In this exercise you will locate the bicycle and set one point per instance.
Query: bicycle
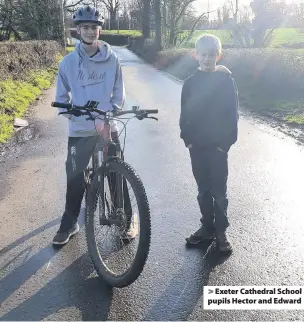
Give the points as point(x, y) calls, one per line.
point(115, 206)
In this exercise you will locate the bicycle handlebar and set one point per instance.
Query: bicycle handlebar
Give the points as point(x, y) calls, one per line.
point(91, 106)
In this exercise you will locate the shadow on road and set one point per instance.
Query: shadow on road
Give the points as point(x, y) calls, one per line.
point(186, 287)
point(33, 233)
point(73, 287)
point(29, 267)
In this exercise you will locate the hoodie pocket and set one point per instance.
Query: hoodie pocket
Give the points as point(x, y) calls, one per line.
point(81, 124)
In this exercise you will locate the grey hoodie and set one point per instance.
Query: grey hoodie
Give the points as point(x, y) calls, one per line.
point(82, 78)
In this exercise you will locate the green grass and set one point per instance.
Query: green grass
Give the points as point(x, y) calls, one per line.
point(17, 96)
point(122, 32)
point(280, 37)
point(291, 112)
point(295, 119)
point(287, 36)
point(222, 34)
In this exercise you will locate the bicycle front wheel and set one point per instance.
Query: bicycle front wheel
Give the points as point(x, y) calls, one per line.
point(118, 224)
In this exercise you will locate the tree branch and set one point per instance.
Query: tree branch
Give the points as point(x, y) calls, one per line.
point(183, 10)
point(198, 19)
point(111, 5)
point(267, 38)
point(73, 5)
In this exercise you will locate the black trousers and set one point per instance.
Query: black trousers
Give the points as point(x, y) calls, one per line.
point(80, 150)
point(210, 169)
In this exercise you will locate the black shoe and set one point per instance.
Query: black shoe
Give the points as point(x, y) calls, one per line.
point(223, 243)
point(200, 236)
point(62, 237)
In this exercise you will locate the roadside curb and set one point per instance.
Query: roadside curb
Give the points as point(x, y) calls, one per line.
point(175, 79)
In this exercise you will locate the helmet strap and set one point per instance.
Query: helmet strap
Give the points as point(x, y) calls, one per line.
point(87, 43)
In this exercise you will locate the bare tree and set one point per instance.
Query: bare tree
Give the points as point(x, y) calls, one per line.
point(201, 17)
point(146, 19)
point(135, 8)
point(112, 6)
point(7, 18)
point(176, 11)
point(219, 16)
point(268, 15)
point(225, 13)
point(124, 19)
point(234, 6)
point(296, 13)
point(72, 4)
point(36, 18)
point(158, 24)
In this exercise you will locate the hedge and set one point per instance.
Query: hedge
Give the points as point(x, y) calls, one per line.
point(18, 58)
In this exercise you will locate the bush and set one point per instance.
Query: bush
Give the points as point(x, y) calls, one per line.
point(180, 63)
point(144, 48)
point(115, 40)
point(269, 81)
point(18, 58)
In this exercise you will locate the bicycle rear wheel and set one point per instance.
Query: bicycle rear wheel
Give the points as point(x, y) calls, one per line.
point(117, 258)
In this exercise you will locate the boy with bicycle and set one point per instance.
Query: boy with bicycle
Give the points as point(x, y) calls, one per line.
point(91, 72)
point(209, 127)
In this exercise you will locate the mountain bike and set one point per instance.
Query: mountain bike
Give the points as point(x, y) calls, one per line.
point(108, 204)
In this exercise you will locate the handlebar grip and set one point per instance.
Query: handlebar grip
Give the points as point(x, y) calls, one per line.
point(61, 105)
point(152, 111)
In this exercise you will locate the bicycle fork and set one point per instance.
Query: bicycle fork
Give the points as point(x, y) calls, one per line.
point(116, 202)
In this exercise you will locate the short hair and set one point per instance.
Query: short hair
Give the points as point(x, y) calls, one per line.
point(209, 41)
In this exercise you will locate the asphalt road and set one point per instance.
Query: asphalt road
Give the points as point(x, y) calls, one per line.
point(265, 211)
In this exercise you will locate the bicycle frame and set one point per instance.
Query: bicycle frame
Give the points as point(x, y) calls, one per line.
point(99, 159)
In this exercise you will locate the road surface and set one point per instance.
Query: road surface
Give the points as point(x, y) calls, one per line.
point(265, 210)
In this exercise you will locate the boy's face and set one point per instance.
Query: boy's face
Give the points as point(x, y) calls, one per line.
point(207, 58)
point(89, 31)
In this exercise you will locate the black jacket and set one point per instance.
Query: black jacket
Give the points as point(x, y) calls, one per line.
point(209, 109)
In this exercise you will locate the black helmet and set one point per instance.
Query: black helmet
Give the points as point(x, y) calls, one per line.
point(88, 14)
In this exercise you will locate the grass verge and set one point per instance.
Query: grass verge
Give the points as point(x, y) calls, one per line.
point(17, 95)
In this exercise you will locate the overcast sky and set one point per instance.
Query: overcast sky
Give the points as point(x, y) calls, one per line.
point(202, 5)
